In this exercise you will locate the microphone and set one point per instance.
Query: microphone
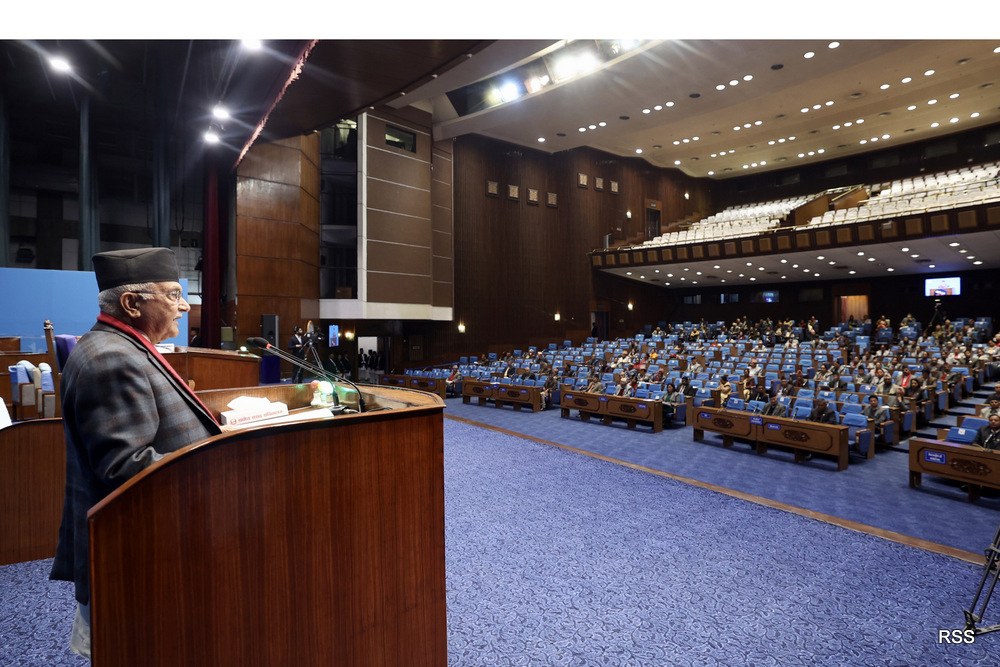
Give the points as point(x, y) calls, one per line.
point(263, 344)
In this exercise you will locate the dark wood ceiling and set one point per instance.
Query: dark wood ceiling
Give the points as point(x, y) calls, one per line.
point(341, 78)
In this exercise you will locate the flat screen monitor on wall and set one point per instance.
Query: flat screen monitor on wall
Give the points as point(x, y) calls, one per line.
point(942, 286)
point(334, 340)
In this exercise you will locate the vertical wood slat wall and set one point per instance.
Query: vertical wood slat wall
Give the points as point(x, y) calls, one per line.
point(277, 236)
point(517, 263)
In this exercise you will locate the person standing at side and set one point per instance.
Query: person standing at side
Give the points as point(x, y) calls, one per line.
point(124, 407)
point(296, 345)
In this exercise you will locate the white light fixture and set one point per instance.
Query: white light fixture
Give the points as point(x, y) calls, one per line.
point(60, 64)
point(220, 112)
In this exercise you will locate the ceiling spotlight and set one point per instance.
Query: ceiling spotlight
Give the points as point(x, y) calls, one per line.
point(808, 54)
point(541, 140)
point(60, 64)
point(220, 112)
point(252, 44)
point(211, 137)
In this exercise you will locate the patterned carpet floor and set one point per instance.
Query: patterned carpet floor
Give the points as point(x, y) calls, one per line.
point(874, 492)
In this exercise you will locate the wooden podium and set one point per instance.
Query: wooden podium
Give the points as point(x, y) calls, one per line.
point(309, 543)
point(32, 487)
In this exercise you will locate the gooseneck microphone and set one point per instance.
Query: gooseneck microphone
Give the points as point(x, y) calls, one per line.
point(263, 344)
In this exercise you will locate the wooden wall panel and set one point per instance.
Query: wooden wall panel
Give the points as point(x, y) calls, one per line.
point(516, 264)
point(443, 224)
point(386, 196)
point(396, 288)
point(392, 166)
point(277, 236)
point(398, 258)
point(268, 200)
point(389, 226)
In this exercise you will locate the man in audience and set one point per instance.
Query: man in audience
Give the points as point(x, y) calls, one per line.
point(877, 413)
point(124, 407)
point(988, 436)
point(836, 384)
point(774, 408)
point(822, 413)
point(991, 408)
point(783, 388)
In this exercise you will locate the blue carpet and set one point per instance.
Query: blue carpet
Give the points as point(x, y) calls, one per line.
point(872, 492)
point(559, 559)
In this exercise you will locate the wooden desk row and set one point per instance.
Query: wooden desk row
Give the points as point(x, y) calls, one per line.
point(801, 436)
point(433, 385)
point(974, 466)
point(632, 410)
point(516, 395)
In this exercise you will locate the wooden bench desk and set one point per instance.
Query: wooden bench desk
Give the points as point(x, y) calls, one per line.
point(433, 385)
point(975, 466)
point(632, 410)
point(800, 436)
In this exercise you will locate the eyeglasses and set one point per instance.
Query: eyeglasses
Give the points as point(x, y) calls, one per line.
point(174, 296)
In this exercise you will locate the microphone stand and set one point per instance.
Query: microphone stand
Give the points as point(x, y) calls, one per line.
point(992, 565)
point(333, 378)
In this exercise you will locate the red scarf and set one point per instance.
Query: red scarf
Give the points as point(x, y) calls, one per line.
point(134, 333)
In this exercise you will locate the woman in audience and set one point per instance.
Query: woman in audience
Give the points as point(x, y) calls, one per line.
point(725, 389)
point(754, 391)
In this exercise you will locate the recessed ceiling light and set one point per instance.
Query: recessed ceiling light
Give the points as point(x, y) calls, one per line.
point(833, 45)
point(808, 54)
point(541, 140)
point(906, 79)
point(954, 244)
point(852, 272)
point(977, 262)
point(929, 72)
point(871, 259)
point(890, 269)
point(931, 266)
point(905, 249)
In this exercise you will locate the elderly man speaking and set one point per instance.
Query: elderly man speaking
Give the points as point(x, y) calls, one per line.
point(124, 407)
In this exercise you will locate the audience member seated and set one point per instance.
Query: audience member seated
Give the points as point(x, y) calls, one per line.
point(991, 408)
point(822, 413)
point(988, 436)
point(774, 408)
point(879, 414)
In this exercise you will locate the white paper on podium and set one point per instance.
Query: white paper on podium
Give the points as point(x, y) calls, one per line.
point(252, 410)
